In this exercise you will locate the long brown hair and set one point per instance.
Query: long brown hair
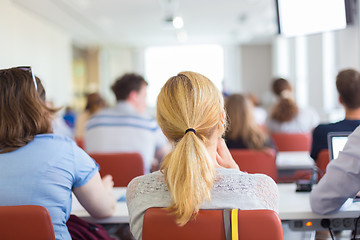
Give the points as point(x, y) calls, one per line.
point(242, 124)
point(23, 112)
point(286, 109)
point(189, 100)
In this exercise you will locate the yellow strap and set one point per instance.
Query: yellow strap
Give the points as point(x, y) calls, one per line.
point(234, 224)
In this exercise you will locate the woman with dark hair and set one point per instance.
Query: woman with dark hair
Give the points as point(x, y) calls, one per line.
point(286, 116)
point(243, 132)
point(39, 167)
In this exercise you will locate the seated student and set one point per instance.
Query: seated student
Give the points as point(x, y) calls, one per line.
point(341, 180)
point(243, 131)
point(348, 86)
point(286, 116)
point(126, 127)
point(199, 172)
point(39, 167)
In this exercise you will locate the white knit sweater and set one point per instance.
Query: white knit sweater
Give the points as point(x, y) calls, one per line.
point(232, 189)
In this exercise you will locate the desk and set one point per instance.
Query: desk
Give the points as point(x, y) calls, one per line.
point(121, 214)
point(293, 165)
point(294, 209)
point(294, 161)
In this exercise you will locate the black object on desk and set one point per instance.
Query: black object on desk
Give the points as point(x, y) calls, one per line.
point(304, 185)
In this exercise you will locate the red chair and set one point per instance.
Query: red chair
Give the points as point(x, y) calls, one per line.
point(322, 161)
point(253, 161)
point(292, 141)
point(80, 142)
point(159, 224)
point(122, 166)
point(25, 222)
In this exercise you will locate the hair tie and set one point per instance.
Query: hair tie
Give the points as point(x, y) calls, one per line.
point(190, 130)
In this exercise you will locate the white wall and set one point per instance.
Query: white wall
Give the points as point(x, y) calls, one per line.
point(312, 62)
point(256, 69)
point(114, 62)
point(26, 39)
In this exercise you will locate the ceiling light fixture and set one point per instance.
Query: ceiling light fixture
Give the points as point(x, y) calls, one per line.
point(178, 22)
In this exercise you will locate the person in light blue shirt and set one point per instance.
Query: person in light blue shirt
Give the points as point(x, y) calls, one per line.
point(39, 167)
point(341, 180)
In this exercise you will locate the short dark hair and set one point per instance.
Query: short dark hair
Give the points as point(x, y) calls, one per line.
point(127, 83)
point(348, 86)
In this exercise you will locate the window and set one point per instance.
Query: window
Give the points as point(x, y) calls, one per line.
point(161, 63)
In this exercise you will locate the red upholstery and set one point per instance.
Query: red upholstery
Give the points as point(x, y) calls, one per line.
point(25, 222)
point(260, 224)
point(160, 225)
point(122, 166)
point(292, 141)
point(253, 161)
point(209, 225)
point(80, 142)
point(323, 160)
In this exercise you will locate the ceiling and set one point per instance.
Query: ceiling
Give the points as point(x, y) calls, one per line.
point(142, 22)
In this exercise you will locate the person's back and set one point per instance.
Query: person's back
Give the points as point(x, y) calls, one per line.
point(32, 175)
point(39, 167)
point(341, 180)
point(243, 132)
point(286, 116)
point(199, 172)
point(348, 86)
point(124, 128)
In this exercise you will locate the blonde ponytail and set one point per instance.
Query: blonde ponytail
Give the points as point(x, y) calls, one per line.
point(189, 100)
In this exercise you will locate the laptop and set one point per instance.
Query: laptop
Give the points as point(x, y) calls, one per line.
point(336, 143)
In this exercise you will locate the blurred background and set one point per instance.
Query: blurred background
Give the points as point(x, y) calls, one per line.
point(80, 46)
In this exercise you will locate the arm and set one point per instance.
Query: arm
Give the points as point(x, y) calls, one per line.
point(223, 155)
point(341, 181)
point(96, 196)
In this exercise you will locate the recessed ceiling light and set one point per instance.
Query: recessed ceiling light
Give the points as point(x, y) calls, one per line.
point(178, 22)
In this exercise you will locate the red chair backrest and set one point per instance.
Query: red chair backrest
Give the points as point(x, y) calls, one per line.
point(323, 160)
point(80, 142)
point(253, 161)
point(260, 224)
point(25, 222)
point(122, 166)
point(292, 141)
point(159, 224)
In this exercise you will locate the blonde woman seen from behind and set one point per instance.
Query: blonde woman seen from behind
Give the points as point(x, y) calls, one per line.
point(199, 172)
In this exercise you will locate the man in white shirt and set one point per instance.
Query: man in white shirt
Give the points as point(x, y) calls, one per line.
point(341, 181)
point(125, 127)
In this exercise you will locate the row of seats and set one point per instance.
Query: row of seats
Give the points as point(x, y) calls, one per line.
point(126, 166)
point(34, 222)
point(283, 141)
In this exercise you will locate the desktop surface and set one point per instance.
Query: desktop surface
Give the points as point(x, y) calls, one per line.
point(294, 209)
point(294, 160)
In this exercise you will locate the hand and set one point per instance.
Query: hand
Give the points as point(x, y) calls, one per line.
point(108, 183)
point(223, 155)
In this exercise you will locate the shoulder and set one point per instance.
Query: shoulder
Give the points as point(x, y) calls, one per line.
point(145, 185)
point(329, 127)
point(236, 177)
point(52, 138)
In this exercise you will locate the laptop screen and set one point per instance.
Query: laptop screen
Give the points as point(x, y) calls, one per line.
point(336, 143)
